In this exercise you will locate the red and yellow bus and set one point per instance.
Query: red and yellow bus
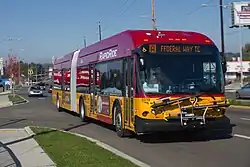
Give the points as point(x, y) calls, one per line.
point(144, 81)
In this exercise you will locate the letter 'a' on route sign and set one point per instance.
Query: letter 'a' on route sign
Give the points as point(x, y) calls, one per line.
point(152, 48)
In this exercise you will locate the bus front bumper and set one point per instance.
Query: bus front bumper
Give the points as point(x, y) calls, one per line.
point(149, 125)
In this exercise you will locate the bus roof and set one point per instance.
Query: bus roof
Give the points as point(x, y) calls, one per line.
point(123, 43)
point(63, 61)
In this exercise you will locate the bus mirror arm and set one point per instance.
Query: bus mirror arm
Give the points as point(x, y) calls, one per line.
point(223, 62)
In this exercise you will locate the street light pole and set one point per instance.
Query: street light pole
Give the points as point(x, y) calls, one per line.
point(153, 15)
point(241, 58)
point(36, 73)
point(28, 74)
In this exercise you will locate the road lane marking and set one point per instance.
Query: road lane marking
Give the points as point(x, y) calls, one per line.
point(242, 136)
point(245, 119)
point(41, 98)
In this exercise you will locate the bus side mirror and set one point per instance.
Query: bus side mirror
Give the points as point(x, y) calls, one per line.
point(223, 63)
point(142, 65)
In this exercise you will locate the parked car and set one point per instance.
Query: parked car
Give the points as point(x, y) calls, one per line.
point(50, 89)
point(42, 86)
point(35, 91)
point(243, 92)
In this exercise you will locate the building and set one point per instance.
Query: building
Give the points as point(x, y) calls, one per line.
point(233, 69)
point(50, 72)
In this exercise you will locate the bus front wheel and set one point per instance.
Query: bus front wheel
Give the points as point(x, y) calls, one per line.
point(118, 121)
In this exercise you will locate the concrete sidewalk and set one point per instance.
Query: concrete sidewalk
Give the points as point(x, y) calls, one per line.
point(18, 149)
point(4, 99)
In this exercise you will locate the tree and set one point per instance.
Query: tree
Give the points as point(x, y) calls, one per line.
point(12, 68)
point(24, 68)
point(246, 52)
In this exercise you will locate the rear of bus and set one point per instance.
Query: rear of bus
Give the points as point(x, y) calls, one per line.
point(180, 86)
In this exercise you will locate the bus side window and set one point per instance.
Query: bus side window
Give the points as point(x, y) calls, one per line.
point(110, 77)
point(62, 80)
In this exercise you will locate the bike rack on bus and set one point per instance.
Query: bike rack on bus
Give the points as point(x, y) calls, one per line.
point(184, 115)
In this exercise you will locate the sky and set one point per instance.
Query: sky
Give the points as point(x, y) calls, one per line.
point(41, 29)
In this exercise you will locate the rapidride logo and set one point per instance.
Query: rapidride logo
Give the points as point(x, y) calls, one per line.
point(107, 55)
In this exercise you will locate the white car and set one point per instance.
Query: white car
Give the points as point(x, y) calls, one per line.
point(35, 91)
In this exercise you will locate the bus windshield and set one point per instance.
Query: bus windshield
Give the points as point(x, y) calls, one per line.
point(171, 73)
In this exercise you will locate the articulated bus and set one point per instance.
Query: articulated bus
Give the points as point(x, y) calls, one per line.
point(144, 81)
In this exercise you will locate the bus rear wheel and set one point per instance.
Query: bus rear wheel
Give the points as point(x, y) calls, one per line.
point(82, 111)
point(58, 104)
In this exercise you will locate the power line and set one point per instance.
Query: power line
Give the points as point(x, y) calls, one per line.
point(198, 8)
point(123, 4)
point(99, 22)
point(231, 33)
point(123, 12)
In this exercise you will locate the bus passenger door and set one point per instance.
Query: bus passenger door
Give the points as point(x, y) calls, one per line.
point(128, 81)
point(92, 89)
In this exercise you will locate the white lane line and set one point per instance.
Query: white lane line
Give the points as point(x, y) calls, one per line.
point(242, 136)
point(245, 119)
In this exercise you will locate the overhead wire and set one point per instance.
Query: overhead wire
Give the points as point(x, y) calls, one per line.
point(123, 4)
point(122, 12)
point(198, 8)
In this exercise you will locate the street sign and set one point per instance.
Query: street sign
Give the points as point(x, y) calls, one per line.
point(240, 13)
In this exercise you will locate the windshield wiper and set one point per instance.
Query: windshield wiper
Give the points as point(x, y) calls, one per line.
point(205, 89)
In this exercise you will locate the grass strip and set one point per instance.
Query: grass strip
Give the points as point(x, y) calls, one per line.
point(239, 103)
point(67, 150)
point(15, 99)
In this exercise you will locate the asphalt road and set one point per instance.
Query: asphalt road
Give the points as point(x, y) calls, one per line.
point(206, 150)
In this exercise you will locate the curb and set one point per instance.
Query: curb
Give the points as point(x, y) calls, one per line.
point(6, 105)
point(25, 101)
point(29, 136)
point(20, 102)
point(5, 93)
point(239, 107)
point(97, 142)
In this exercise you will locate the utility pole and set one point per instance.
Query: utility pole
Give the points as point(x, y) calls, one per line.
point(19, 71)
point(85, 42)
point(36, 73)
point(28, 74)
point(100, 30)
point(153, 15)
point(222, 29)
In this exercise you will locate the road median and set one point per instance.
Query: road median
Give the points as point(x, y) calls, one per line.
point(73, 147)
point(17, 99)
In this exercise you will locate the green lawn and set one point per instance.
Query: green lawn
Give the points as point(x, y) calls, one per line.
point(68, 150)
point(239, 103)
point(15, 98)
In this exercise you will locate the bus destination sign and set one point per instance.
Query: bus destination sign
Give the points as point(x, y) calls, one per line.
point(171, 48)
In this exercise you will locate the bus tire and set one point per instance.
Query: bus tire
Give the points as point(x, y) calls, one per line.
point(58, 104)
point(118, 121)
point(82, 111)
